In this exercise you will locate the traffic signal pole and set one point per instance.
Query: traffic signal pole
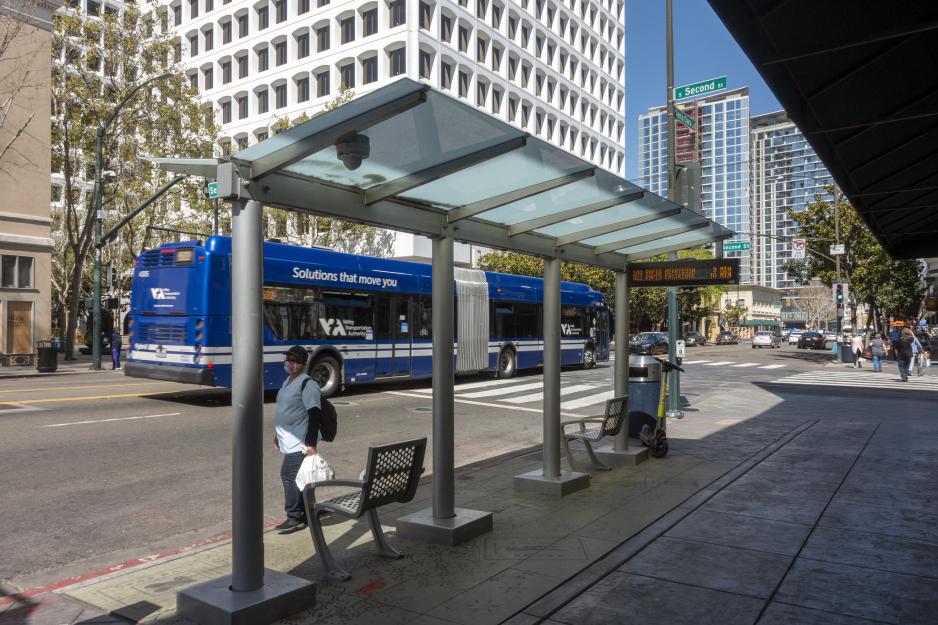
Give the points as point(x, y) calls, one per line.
point(840, 305)
point(674, 322)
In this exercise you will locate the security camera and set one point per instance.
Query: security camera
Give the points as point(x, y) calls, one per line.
point(352, 149)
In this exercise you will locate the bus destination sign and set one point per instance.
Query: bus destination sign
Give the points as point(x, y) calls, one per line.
point(685, 273)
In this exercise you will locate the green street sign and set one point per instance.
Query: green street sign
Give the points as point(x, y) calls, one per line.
point(684, 118)
point(737, 246)
point(212, 190)
point(700, 88)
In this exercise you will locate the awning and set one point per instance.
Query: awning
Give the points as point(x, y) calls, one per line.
point(761, 323)
point(859, 80)
point(420, 161)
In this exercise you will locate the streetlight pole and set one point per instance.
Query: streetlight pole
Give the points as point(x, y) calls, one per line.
point(674, 322)
point(99, 218)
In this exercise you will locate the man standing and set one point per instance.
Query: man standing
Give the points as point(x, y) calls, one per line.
point(116, 349)
point(903, 348)
point(299, 404)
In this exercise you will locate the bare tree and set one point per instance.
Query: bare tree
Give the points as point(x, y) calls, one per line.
point(16, 80)
point(816, 303)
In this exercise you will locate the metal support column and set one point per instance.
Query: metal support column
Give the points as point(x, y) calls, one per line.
point(551, 368)
point(443, 406)
point(621, 371)
point(674, 384)
point(96, 272)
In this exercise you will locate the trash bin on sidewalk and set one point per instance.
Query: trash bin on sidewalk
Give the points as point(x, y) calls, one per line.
point(846, 350)
point(46, 358)
point(644, 392)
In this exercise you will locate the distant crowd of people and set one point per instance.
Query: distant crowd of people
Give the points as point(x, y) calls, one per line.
point(911, 345)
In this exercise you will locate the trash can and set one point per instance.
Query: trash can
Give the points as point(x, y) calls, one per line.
point(46, 358)
point(644, 392)
point(846, 350)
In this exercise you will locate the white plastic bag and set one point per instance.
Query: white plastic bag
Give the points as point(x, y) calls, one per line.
point(314, 469)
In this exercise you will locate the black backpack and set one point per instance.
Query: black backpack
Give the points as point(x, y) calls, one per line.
point(328, 419)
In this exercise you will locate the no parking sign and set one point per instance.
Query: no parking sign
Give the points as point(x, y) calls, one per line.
point(798, 247)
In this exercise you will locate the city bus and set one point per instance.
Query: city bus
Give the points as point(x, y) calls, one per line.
point(362, 319)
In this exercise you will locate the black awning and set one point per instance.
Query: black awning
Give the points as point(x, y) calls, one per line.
point(860, 79)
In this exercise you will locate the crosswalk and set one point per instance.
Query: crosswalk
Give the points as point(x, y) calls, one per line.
point(732, 363)
point(862, 379)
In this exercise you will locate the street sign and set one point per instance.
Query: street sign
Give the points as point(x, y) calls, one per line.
point(212, 190)
point(684, 118)
point(700, 88)
point(685, 273)
point(737, 246)
point(837, 249)
point(798, 247)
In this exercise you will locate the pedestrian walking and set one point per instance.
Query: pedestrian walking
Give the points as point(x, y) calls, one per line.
point(917, 350)
point(299, 407)
point(903, 348)
point(116, 349)
point(878, 351)
point(856, 344)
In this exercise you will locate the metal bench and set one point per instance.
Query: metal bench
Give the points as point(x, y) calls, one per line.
point(611, 422)
point(391, 476)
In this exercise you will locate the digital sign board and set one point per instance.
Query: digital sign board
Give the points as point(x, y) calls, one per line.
point(712, 272)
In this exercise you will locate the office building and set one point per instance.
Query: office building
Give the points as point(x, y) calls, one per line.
point(719, 141)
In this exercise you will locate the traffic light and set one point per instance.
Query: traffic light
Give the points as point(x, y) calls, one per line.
point(840, 294)
point(112, 275)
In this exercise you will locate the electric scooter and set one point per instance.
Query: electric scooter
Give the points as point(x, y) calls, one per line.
point(657, 440)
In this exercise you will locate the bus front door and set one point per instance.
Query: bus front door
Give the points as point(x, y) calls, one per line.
point(393, 336)
point(602, 335)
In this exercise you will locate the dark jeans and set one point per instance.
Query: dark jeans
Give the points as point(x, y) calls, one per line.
point(116, 358)
point(293, 499)
point(904, 366)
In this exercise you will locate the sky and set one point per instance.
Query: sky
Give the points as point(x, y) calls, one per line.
point(703, 49)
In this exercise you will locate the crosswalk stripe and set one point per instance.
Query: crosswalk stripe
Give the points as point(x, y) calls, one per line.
point(695, 362)
point(772, 366)
point(566, 390)
point(859, 380)
point(485, 383)
point(718, 363)
point(746, 364)
point(503, 391)
point(573, 404)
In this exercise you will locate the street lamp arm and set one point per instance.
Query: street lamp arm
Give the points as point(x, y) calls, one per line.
point(110, 118)
point(112, 233)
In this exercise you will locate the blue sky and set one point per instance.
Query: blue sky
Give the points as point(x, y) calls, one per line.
point(702, 49)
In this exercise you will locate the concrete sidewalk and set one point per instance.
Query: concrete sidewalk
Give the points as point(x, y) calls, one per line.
point(773, 506)
point(81, 364)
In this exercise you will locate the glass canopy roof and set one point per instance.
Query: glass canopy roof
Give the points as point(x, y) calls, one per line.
point(405, 152)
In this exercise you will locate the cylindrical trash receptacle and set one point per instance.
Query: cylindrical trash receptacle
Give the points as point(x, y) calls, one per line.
point(846, 350)
point(46, 358)
point(644, 392)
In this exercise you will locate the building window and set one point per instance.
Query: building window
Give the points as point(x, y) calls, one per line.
point(193, 48)
point(322, 84)
point(280, 53)
point(426, 15)
point(425, 64)
point(17, 272)
point(369, 70)
point(322, 39)
point(446, 28)
point(398, 13)
point(262, 102)
point(463, 84)
point(226, 32)
point(302, 90)
point(242, 143)
point(302, 46)
point(496, 97)
point(242, 106)
point(480, 8)
point(321, 3)
point(193, 82)
point(209, 5)
point(263, 60)
point(347, 29)
point(280, 96)
point(226, 112)
point(281, 10)
point(481, 92)
point(209, 77)
point(263, 17)
point(243, 25)
point(370, 22)
point(481, 49)
point(209, 39)
point(347, 75)
point(398, 61)
point(302, 6)
point(177, 15)
point(193, 9)
point(243, 66)
point(496, 15)
point(463, 39)
point(446, 75)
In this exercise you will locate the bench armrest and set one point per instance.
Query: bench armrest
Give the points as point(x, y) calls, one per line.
point(351, 483)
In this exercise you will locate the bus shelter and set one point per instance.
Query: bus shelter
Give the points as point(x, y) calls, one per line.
point(410, 158)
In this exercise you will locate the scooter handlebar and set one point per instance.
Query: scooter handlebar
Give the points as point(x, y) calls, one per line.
point(668, 365)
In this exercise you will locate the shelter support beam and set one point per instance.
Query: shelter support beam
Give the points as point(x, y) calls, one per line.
point(250, 594)
point(579, 211)
point(443, 523)
point(598, 231)
point(550, 479)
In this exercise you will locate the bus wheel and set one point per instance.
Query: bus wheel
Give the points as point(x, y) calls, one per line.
point(507, 364)
point(326, 373)
point(589, 357)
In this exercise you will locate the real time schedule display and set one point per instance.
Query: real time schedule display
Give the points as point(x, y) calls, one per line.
point(685, 273)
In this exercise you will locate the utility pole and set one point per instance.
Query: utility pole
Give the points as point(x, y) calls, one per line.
point(674, 322)
point(840, 310)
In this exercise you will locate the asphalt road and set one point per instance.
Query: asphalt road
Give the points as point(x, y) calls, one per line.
point(100, 468)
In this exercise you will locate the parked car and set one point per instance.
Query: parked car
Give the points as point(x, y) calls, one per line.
point(766, 338)
point(727, 338)
point(650, 343)
point(794, 335)
point(811, 340)
point(694, 338)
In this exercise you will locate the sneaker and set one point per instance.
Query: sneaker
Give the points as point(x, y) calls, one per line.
point(291, 525)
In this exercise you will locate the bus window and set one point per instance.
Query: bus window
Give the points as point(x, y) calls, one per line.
point(504, 326)
point(347, 315)
point(423, 318)
point(293, 313)
point(574, 321)
point(526, 321)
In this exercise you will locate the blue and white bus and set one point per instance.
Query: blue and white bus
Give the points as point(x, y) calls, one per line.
point(362, 319)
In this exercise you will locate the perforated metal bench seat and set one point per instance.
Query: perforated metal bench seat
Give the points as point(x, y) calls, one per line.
point(610, 424)
point(391, 476)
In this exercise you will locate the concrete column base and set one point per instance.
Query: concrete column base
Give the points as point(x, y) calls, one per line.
point(635, 454)
point(535, 482)
point(214, 603)
point(466, 525)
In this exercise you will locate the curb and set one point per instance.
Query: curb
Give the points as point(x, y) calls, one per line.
point(20, 376)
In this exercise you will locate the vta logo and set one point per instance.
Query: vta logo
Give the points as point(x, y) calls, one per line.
point(567, 329)
point(333, 327)
point(160, 293)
